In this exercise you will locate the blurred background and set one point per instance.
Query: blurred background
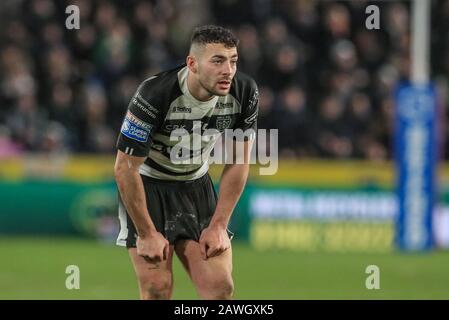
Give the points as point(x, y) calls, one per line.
point(326, 82)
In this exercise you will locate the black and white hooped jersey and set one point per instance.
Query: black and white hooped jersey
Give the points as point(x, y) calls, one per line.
point(163, 104)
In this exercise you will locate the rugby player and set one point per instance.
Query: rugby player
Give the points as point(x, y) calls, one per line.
point(167, 207)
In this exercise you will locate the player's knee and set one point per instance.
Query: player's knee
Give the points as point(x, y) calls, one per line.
point(226, 290)
point(221, 289)
point(156, 288)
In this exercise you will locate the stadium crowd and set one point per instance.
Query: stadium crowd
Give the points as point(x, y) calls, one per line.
point(326, 81)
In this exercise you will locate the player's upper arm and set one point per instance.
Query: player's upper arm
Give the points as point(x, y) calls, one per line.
point(239, 149)
point(142, 118)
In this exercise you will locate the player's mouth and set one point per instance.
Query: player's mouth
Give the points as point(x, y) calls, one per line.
point(224, 84)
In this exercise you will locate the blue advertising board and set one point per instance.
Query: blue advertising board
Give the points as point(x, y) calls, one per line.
point(415, 153)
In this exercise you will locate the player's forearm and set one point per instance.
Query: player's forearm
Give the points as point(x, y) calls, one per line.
point(232, 182)
point(132, 192)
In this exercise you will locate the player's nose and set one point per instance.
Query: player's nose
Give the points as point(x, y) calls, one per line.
point(227, 68)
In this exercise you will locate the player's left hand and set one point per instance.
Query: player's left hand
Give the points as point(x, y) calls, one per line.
point(214, 240)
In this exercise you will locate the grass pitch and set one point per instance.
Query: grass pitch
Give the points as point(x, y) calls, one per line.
point(34, 268)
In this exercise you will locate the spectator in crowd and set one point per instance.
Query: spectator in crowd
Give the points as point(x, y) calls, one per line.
point(326, 82)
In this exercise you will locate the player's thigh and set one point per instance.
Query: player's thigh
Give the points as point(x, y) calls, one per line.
point(208, 272)
point(156, 273)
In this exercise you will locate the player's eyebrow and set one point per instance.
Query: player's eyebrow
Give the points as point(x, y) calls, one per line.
point(220, 56)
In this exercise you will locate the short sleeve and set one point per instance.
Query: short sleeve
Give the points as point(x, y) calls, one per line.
point(248, 118)
point(141, 120)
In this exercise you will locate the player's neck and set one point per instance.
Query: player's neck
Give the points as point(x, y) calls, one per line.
point(196, 89)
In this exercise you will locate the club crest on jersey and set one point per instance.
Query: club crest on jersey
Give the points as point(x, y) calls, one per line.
point(135, 128)
point(223, 122)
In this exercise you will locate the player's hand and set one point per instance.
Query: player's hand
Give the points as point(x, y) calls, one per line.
point(153, 248)
point(214, 240)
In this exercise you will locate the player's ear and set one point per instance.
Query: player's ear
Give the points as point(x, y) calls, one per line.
point(192, 64)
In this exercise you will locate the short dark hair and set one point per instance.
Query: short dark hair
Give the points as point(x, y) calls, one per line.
point(214, 34)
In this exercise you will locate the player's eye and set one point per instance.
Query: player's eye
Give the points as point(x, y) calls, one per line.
point(216, 61)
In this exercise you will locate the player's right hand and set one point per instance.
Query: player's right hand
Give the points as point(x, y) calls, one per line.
point(153, 248)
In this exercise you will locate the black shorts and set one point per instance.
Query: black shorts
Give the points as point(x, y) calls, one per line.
point(178, 209)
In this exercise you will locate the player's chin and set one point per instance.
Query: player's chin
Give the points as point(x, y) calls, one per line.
point(222, 91)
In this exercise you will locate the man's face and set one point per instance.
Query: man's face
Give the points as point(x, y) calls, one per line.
point(216, 68)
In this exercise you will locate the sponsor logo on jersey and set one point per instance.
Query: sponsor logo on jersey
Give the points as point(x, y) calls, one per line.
point(222, 105)
point(170, 127)
point(137, 102)
point(223, 122)
point(135, 129)
point(181, 109)
point(146, 103)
